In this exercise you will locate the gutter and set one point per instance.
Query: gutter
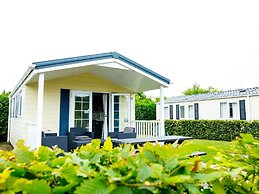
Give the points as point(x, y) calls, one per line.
point(22, 80)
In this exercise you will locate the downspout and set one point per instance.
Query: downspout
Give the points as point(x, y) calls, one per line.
point(248, 108)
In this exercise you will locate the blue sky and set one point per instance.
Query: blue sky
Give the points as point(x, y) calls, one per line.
point(212, 43)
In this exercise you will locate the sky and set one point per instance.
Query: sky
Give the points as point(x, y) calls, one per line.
point(211, 43)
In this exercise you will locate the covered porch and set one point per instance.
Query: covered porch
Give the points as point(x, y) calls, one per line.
point(95, 92)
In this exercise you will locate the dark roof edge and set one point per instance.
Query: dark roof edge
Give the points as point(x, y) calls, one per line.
point(115, 55)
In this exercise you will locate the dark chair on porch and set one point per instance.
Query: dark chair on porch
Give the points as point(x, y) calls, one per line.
point(51, 139)
point(78, 136)
point(128, 132)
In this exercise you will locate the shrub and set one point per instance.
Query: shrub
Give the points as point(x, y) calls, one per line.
point(145, 108)
point(211, 129)
point(4, 109)
point(155, 169)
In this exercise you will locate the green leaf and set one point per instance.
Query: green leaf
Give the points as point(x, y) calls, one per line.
point(209, 177)
point(58, 162)
point(156, 170)
point(63, 189)
point(39, 168)
point(107, 146)
point(193, 188)
point(69, 172)
point(23, 155)
point(92, 186)
point(32, 186)
point(218, 188)
point(122, 190)
point(143, 173)
point(44, 153)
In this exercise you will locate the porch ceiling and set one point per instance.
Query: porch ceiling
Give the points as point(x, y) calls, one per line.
point(112, 71)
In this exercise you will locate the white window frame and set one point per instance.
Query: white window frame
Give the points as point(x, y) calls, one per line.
point(167, 113)
point(188, 107)
point(228, 102)
point(112, 110)
point(180, 112)
point(72, 107)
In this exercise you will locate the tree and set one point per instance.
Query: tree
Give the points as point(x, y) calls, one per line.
point(145, 107)
point(196, 89)
point(4, 109)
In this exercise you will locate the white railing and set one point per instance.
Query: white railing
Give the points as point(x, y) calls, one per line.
point(147, 128)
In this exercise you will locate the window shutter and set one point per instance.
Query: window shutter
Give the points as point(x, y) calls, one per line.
point(171, 111)
point(177, 112)
point(64, 112)
point(196, 111)
point(242, 107)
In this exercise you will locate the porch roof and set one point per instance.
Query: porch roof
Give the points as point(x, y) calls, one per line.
point(111, 66)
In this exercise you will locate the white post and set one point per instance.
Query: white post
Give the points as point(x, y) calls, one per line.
point(9, 120)
point(40, 109)
point(162, 112)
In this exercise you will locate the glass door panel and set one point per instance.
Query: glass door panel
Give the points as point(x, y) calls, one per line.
point(81, 110)
point(120, 111)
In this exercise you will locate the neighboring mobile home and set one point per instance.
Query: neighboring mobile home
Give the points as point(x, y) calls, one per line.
point(240, 104)
point(96, 92)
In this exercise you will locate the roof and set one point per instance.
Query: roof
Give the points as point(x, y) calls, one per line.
point(217, 95)
point(40, 66)
point(95, 57)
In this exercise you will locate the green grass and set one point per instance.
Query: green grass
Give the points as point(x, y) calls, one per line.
point(5, 146)
point(207, 146)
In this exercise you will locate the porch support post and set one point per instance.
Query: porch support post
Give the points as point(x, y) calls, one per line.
point(162, 112)
point(9, 119)
point(40, 109)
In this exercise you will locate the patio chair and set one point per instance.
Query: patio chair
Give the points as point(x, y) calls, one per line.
point(79, 136)
point(128, 132)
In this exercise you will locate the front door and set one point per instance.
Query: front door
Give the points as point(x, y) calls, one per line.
point(81, 110)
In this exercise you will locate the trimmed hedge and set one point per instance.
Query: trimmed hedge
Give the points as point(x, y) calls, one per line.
point(211, 129)
point(4, 109)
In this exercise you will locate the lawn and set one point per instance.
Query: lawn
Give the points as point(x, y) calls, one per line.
point(5, 146)
point(207, 146)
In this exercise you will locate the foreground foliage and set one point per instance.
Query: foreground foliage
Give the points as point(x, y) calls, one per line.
point(155, 169)
point(223, 130)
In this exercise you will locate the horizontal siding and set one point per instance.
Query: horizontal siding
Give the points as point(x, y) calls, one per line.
point(254, 107)
point(83, 82)
point(210, 109)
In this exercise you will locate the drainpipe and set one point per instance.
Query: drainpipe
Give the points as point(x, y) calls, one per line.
point(248, 111)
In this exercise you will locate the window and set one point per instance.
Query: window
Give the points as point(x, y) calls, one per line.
point(233, 110)
point(190, 112)
point(228, 110)
point(16, 105)
point(166, 112)
point(223, 110)
point(182, 112)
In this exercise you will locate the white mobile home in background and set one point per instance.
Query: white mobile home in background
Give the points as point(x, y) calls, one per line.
point(240, 104)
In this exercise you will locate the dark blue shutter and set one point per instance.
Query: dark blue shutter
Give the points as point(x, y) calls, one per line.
point(242, 107)
point(171, 111)
point(196, 111)
point(64, 112)
point(177, 112)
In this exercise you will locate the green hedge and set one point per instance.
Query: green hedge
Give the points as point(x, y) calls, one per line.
point(4, 108)
point(211, 129)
